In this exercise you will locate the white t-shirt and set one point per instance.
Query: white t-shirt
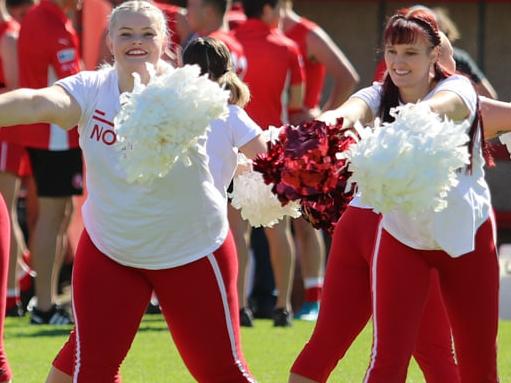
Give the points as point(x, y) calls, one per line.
point(454, 228)
point(224, 139)
point(176, 220)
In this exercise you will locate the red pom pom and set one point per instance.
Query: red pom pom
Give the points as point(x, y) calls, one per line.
point(303, 165)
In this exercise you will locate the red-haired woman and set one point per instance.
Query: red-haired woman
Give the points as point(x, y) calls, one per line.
point(457, 243)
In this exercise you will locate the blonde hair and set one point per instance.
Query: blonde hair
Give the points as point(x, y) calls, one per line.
point(140, 6)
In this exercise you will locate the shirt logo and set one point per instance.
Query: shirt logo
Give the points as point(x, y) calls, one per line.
point(66, 55)
point(103, 132)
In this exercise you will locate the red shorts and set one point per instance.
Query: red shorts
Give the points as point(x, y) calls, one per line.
point(14, 159)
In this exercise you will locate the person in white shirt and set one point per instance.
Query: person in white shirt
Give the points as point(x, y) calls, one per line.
point(171, 236)
point(239, 132)
point(458, 243)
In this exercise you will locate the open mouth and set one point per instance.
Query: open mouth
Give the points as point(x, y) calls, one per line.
point(136, 53)
point(401, 72)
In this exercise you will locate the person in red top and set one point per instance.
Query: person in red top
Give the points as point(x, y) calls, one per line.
point(54, 154)
point(208, 18)
point(267, 48)
point(321, 57)
point(275, 69)
point(13, 157)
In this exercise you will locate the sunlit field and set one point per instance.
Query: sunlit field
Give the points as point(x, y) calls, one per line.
point(153, 358)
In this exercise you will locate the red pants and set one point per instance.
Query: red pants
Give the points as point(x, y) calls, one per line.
point(198, 300)
point(469, 284)
point(346, 307)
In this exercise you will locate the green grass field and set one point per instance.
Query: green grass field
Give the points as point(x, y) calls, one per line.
point(153, 358)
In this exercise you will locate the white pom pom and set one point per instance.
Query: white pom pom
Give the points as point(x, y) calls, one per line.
point(257, 203)
point(160, 122)
point(410, 164)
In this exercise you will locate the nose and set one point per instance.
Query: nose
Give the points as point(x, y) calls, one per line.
point(397, 60)
point(136, 40)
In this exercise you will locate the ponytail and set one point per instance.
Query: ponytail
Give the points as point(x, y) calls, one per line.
point(240, 95)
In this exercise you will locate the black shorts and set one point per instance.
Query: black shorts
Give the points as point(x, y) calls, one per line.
point(57, 173)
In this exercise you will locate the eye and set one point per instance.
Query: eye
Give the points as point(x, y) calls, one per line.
point(125, 34)
point(390, 51)
point(149, 34)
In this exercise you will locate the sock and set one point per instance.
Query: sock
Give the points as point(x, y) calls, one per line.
point(313, 288)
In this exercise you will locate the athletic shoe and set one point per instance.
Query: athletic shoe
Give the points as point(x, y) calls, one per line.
point(281, 318)
point(55, 316)
point(309, 311)
point(246, 317)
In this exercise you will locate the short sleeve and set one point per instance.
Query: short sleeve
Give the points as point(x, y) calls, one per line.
point(371, 96)
point(81, 87)
point(65, 58)
point(243, 128)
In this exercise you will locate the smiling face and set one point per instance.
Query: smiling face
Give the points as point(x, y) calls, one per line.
point(135, 38)
point(409, 64)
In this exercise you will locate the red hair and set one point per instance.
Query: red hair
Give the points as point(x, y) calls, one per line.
point(405, 27)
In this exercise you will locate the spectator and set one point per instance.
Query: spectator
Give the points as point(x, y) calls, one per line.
point(266, 47)
point(14, 162)
point(54, 154)
point(321, 57)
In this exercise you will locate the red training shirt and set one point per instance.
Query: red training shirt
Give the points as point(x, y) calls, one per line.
point(274, 61)
point(48, 50)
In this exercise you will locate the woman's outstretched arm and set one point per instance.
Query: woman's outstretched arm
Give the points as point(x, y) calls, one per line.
point(28, 106)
